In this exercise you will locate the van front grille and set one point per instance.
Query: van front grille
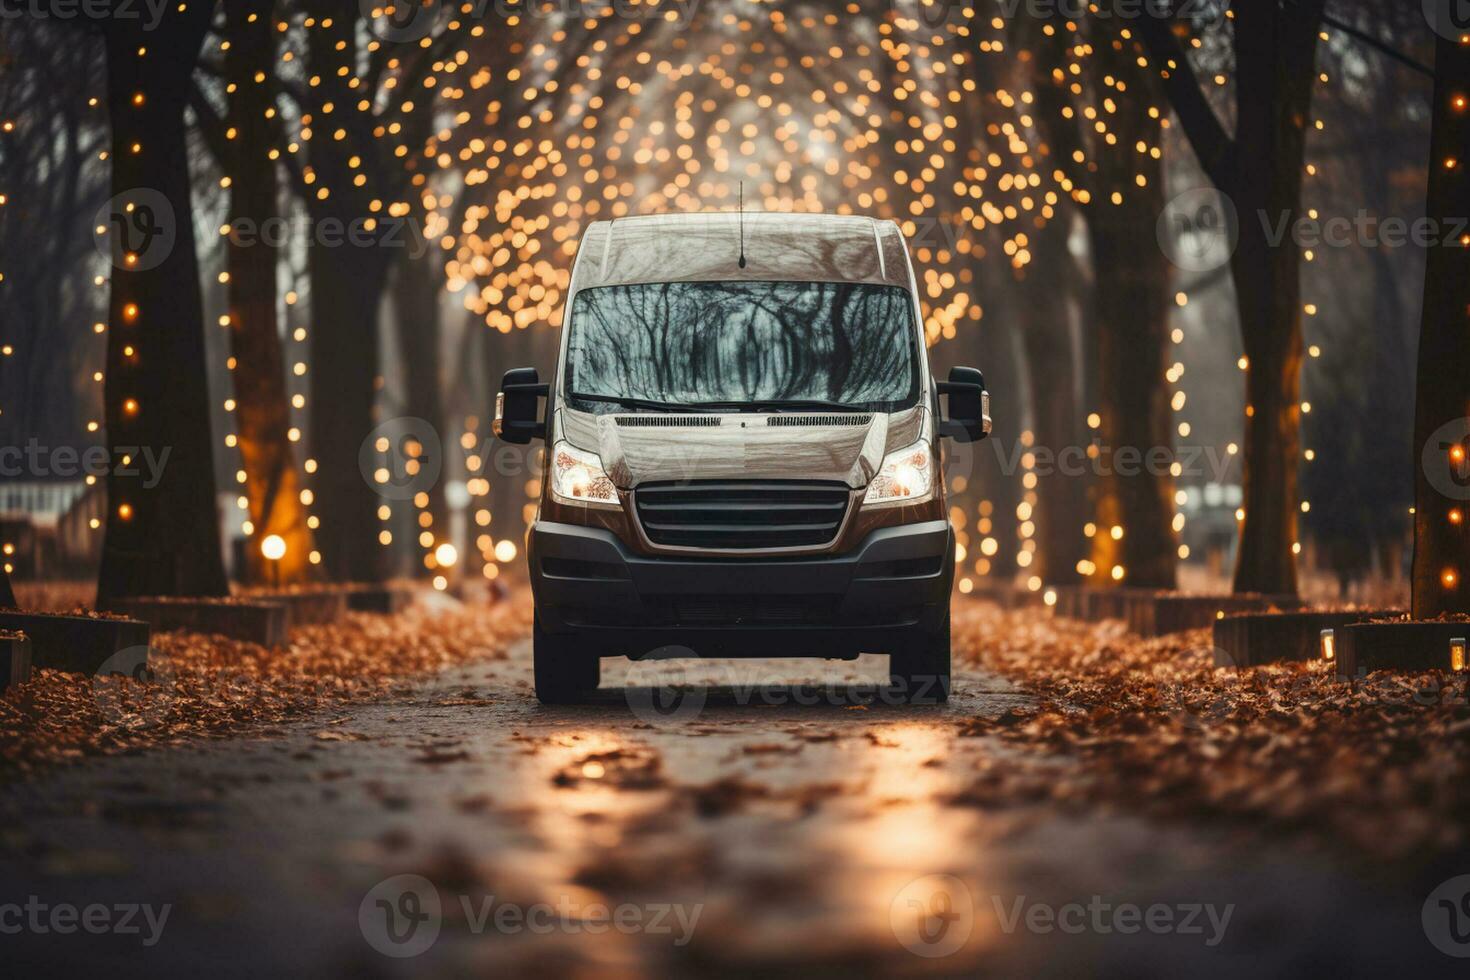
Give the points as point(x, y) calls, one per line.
point(818, 420)
point(739, 515)
point(668, 421)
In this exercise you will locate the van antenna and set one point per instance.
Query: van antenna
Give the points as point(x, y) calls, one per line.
point(742, 224)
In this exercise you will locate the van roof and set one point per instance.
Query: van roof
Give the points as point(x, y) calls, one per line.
point(706, 246)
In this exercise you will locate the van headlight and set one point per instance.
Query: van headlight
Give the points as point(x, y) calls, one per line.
point(577, 477)
point(906, 477)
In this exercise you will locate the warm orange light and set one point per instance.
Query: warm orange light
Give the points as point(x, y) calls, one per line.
point(1448, 577)
point(1457, 453)
point(130, 311)
point(273, 547)
point(125, 511)
point(1455, 515)
point(130, 406)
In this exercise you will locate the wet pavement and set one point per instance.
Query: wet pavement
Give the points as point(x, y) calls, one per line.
point(771, 825)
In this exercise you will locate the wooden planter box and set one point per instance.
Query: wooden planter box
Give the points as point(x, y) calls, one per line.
point(255, 622)
point(1157, 613)
point(1115, 603)
point(1252, 639)
point(1093, 604)
point(1410, 646)
point(309, 607)
point(15, 659)
point(80, 644)
point(385, 599)
point(1069, 601)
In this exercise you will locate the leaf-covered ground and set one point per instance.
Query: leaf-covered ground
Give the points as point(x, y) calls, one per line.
point(1377, 764)
point(213, 687)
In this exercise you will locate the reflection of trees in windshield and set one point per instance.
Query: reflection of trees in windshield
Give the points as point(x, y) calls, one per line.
point(744, 341)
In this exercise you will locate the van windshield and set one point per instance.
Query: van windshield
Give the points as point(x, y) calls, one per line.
point(738, 344)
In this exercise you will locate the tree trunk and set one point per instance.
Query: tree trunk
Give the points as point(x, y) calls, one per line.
point(7, 595)
point(347, 265)
point(1061, 490)
point(1276, 58)
point(346, 288)
point(504, 464)
point(994, 466)
point(1261, 170)
point(416, 305)
point(263, 417)
point(1136, 491)
point(163, 529)
point(1135, 543)
point(1442, 400)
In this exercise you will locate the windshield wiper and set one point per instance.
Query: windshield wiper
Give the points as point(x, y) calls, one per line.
point(782, 404)
point(652, 405)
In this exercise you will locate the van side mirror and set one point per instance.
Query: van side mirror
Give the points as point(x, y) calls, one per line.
point(968, 418)
point(517, 406)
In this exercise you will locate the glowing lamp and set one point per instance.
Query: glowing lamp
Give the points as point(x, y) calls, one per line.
point(1457, 653)
point(1328, 644)
point(273, 547)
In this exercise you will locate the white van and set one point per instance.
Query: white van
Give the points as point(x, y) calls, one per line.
point(743, 451)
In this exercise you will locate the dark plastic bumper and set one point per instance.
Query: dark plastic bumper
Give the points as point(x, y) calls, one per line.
point(867, 601)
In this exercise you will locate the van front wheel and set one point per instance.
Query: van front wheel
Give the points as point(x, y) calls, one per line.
point(565, 672)
point(918, 672)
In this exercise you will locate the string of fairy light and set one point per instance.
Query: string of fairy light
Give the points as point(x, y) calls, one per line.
point(1095, 112)
point(514, 260)
point(7, 351)
point(100, 282)
point(515, 243)
point(273, 547)
point(529, 149)
point(1449, 576)
point(128, 406)
point(1309, 308)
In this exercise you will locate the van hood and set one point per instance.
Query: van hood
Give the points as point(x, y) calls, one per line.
point(654, 447)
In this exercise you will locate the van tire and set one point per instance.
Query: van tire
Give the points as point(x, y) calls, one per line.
point(918, 672)
point(565, 673)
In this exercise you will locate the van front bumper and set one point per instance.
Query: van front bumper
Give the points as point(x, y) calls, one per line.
point(587, 582)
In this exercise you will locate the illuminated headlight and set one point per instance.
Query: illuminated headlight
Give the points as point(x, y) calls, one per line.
point(577, 477)
point(906, 477)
